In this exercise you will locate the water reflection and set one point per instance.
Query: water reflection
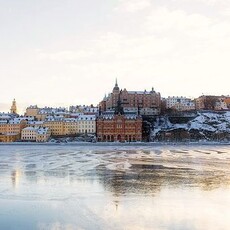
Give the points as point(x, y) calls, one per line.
point(143, 188)
point(128, 171)
point(15, 177)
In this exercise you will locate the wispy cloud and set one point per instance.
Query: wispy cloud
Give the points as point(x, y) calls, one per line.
point(132, 5)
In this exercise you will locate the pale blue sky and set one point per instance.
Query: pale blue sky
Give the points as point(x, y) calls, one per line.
point(62, 52)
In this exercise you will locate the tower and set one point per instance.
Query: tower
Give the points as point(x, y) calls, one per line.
point(116, 89)
point(13, 108)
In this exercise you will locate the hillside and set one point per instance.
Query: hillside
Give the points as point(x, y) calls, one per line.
point(207, 125)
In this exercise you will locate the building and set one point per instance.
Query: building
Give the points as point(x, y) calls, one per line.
point(221, 105)
point(12, 126)
point(41, 114)
point(9, 137)
point(217, 103)
point(35, 134)
point(180, 103)
point(227, 101)
point(87, 124)
point(43, 134)
point(83, 109)
point(56, 127)
point(118, 125)
point(71, 126)
point(206, 102)
point(148, 102)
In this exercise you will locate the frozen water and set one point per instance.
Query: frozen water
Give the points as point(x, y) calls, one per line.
point(114, 187)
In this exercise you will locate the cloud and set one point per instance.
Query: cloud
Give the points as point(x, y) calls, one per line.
point(113, 47)
point(205, 2)
point(66, 55)
point(162, 19)
point(132, 5)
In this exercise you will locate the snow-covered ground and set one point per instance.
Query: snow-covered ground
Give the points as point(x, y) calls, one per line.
point(204, 122)
point(114, 187)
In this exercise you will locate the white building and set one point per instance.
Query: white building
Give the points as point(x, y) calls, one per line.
point(87, 124)
point(29, 134)
point(180, 103)
point(38, 134)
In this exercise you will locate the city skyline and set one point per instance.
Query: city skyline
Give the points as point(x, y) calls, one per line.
point(65, 53)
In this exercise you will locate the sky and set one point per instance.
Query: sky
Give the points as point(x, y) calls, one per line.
point(69, 52)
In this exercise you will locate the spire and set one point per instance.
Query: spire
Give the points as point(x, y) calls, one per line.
point(116, 88)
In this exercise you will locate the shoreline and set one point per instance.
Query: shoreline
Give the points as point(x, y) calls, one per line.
point(115, 144)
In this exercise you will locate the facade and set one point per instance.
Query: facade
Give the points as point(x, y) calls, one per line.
point(119, 128)
point(206, 102)
point(41, 114)
point(32, 111)
point(56, 127)
point(9, 137)
point(87, 124)
point(43, 134)
point(35, 134)
point(12, 126)
point(217, 103)
point(132, 99)
point(227, 101)
point(29, 134)
point(180, 104)
point(72, 126)
point(118, 125)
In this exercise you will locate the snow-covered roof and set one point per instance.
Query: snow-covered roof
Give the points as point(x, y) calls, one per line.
point(87, 117)
point(140, 92)
point(42, 130)
point(131, 116)
point(32, 107)
point(36, 122)
point(70, 120)
point(30, 129)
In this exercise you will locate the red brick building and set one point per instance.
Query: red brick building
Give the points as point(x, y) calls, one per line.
point(149, 102)
point(119, 127)
point(116, 125)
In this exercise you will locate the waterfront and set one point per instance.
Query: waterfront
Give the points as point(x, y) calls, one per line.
point(114, 187)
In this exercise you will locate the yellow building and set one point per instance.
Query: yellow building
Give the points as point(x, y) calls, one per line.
point(63, 127)
point(9, 137)
point(43, 134)
point(13, 126)
point(70, 126)
point(41, 114)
